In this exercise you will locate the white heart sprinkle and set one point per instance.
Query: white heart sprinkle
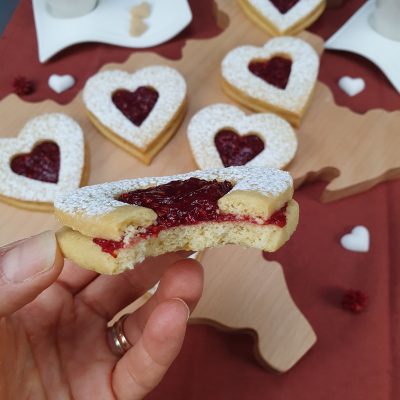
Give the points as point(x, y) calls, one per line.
point(357, 240)
point(351, 86)
point(60, 83)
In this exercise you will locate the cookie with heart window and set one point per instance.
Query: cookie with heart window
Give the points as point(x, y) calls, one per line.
point(278, 77)
point(139, 112)
point(47, 158)
point(113, 226)
point(283, 17)
point(221, 135)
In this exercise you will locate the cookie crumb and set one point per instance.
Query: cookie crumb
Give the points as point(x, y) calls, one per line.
point(138, 14)
point(143, 10)
point(138, 27)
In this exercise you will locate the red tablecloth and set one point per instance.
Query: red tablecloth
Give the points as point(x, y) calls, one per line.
point(357, 356)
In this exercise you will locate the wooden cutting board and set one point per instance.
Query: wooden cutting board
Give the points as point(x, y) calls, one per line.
point(358, 151)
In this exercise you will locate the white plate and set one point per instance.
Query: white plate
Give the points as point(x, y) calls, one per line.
point(109, 23)
point(357, 36)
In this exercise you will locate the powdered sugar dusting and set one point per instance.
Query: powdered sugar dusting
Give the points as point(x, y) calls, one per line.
point(55, 127)
point(100, 199)
point(278, 136)
point(283, 22)
point(305, 64)
point(169, 84)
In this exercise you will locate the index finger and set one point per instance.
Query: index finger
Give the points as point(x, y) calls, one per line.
point(109, 294)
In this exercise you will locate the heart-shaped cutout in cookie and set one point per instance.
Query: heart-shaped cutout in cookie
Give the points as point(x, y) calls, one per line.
point(280, 59)
point(47, 158)
point(223, 135)
point(275, 71)
point(137, 105)
point(284, 5)
point(42, 163)
point(237, 150)
point(141, 111)
point(283, 17)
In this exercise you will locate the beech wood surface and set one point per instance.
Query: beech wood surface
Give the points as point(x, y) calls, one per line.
point(353, 151)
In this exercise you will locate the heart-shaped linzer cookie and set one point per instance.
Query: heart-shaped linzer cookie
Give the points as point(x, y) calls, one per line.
point(141, 111)
point(279, 77)
point(46, 159)
point(283, 17)
point(222, 135)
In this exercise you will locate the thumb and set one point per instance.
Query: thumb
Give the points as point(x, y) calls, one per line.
point(27, 267)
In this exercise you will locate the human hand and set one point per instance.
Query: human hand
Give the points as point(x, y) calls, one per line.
point(53, 321)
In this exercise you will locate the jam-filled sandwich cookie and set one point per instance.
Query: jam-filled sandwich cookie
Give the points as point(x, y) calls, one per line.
point(221, 135)
point(139, 112)
point(279, 77)
point(113, 226)
point(47, 158)
point(283, 17)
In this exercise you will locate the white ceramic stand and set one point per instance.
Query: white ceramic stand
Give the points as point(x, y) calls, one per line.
point(109, 23)
point(70, 8)
point(358, 36)
point(385, 19)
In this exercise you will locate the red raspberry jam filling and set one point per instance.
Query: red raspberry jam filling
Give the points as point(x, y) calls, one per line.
point(284, 5)
point(354, 301)
point(275, 71)
point(188, 202)
point(235, 149)
point(137, 105)
point(42, 163)
point(181, 202)
point(109, 246)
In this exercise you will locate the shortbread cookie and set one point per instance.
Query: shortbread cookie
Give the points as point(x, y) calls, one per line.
point(283, 17)
point(111, 227)
point(139, 112)
point(279, 77)
point(221, 135)
point(46, 159)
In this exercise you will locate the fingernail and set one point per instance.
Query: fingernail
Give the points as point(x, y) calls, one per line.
point(28, 258)
point(185, 253)
point(187, 307)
